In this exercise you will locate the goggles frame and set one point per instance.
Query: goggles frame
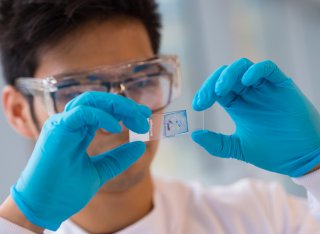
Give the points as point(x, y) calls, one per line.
point(116, 74)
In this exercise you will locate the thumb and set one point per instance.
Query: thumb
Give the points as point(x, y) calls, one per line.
point(218, 144)
point(116, 161)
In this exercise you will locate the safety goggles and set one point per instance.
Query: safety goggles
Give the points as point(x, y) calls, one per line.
point(153, 82)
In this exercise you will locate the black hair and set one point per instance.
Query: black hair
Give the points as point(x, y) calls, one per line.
point(28, 25)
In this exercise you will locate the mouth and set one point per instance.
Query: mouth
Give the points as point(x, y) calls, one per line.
point(105, 141)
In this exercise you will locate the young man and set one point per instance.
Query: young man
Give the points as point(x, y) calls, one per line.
point(94, 64)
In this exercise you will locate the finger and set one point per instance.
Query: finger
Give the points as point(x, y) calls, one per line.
point(90, 117)
point(116, 161)
point(231, 77)
point(218, 144)
point(205, 96)
point(263, 70)
point(228, 99)
point(145, 111)
point(136, 125)
point(133, 115)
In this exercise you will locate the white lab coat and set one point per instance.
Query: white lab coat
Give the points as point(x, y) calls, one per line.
point(248, 206)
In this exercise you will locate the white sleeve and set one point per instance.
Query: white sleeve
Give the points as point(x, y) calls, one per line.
point(10, 228)
point(311, 183)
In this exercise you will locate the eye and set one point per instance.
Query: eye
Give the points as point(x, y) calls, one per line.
point(68, 93)
point(71, 95)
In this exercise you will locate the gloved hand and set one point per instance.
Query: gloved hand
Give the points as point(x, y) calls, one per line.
point(60, 178)
point(277, 128)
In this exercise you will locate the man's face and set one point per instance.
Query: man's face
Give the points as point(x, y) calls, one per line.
point(96, 44)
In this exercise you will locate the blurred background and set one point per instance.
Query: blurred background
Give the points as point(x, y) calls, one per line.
point(206, 34)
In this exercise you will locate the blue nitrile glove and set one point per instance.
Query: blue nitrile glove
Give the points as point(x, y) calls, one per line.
point(277, 128)
point(60, 178)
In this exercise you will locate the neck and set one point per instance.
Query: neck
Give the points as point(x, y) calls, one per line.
point(110, 212)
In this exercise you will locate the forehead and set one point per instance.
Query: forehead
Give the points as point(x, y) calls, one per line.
point(96, 44)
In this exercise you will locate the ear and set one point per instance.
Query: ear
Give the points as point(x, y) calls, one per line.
point(17, 111)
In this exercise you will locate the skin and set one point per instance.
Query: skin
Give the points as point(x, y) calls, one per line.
point(92, 45)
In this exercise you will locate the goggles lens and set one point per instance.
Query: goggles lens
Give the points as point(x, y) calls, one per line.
point(153, 92)
point(62, 96)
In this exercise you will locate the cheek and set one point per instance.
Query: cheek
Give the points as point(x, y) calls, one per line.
point(152, 148)
point(40, 111)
